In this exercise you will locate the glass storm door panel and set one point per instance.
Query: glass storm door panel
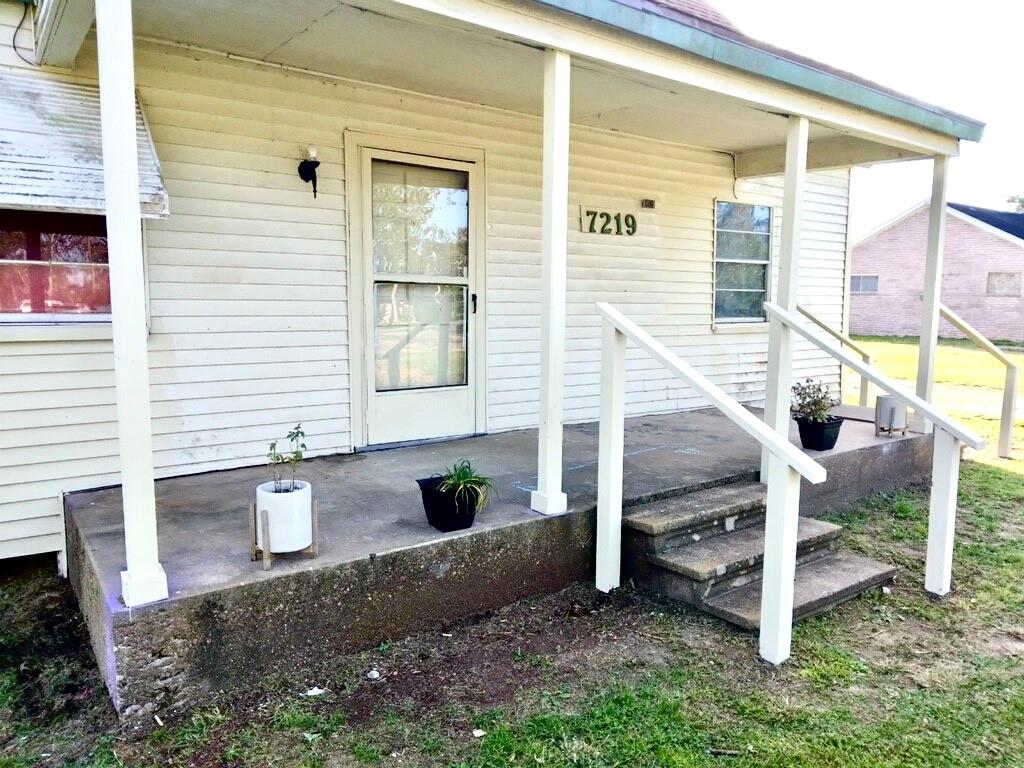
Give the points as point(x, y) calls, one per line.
point(421, 302)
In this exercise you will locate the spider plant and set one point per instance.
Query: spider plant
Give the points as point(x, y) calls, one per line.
point(464, 482)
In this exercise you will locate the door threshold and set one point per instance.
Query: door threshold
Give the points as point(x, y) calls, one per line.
point(412, 443)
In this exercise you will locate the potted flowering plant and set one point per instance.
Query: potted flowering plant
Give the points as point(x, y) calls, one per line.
point(287, 500)
point(451, 500)
point(812, 402)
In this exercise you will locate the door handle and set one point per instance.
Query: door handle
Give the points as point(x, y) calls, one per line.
point(472, 298)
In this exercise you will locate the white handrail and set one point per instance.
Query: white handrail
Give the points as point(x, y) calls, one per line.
point(843, 339)
point(744, 419)
point(786, 465)
point(1009, 383)
point(920, 406)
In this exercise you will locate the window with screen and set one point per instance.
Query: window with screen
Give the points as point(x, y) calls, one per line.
point(53, 266)
point(864, 284)
point(1003, 284)
point(743, 247)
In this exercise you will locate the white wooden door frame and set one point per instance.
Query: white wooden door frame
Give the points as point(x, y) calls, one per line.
point(357, 144)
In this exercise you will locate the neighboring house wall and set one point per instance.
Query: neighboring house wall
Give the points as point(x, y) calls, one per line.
point(897, 256)
point(248, 278)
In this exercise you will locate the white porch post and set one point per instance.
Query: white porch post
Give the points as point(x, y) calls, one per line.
point(780, 344)
point(938, 569)
point(783, 505)
point(928, 342)
point(608, 559)
point(549, 498)
point(144, 580)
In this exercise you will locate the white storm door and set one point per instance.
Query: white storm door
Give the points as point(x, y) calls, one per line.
point(421, 298)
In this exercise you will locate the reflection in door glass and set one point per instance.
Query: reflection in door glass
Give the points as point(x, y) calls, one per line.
point(419, 336)
point(420, 220)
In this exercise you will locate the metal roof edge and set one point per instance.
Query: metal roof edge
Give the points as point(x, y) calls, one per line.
point(765, 63)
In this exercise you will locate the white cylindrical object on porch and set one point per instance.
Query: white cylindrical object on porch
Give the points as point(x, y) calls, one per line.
point(890, 413)
point(290, 516)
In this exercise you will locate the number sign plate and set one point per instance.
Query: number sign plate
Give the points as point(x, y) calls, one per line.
point(599, 221)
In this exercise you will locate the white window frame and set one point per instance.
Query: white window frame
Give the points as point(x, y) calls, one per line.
point(741, 323)
point(988, 285)
point(860, 291)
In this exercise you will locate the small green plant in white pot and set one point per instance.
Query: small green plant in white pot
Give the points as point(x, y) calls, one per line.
point(819, 429)
point(287, 500)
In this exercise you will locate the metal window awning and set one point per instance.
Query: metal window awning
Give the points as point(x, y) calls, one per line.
point(51, 156)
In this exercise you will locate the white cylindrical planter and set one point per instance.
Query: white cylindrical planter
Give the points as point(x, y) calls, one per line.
point(289, 516)
point(890, 415)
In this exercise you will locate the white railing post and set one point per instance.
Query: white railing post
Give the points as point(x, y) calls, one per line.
point(549, 498)
point(949, 437)
point(780, 533)
point(143, 581)
point(865, 385)
point(609, 464)
point(938, 572)
point(929, 338)
point(780, 342)
point(1009, 412)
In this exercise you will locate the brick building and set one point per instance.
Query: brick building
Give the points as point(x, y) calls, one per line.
point(982, 276)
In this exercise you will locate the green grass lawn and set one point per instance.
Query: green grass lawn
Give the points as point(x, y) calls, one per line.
point(580, 679)
point(968, 383)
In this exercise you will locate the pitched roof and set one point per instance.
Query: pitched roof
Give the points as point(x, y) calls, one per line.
point(1010, 223)
point(695, 10)
point(695, 27)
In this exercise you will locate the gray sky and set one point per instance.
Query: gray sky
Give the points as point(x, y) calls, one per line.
point(964, 56)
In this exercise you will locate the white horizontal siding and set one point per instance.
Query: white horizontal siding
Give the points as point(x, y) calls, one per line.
point(248, 278)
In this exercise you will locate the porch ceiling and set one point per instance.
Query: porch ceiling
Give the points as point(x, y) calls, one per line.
point(381, 42)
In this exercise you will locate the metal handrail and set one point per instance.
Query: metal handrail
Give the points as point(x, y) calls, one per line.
point(843, 339)
point(1009, 384)
point(744, 419)
point(921, 407)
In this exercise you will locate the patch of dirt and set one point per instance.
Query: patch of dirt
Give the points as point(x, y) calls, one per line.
point(488, 662)
point(1008, 644)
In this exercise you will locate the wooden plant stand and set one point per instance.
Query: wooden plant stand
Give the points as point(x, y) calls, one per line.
point(255, 553)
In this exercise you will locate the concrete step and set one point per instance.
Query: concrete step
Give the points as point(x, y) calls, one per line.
point(820, 585)
point(672, 522)
point(739, 551)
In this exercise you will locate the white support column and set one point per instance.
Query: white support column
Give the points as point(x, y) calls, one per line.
point(1009, 412)
point(780, 533)
point(929, 338)
point(144, 580)
point(609, 465)
point(780, 341)
point(938, 571)
point(549, 498)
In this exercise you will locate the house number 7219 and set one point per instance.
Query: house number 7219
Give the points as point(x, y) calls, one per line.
point(608, 222)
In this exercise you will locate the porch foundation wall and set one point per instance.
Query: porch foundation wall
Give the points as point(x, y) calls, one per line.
point(287, 629)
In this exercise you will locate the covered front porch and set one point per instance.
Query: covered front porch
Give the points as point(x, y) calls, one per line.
point(382, 571)
point(590, 95)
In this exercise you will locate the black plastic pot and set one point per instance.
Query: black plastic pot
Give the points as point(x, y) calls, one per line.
point(444, 511)
point(819, 435)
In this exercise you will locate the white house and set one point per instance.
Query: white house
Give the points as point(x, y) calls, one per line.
point(488, 172)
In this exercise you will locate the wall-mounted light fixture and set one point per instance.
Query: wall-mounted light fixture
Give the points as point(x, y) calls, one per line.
point(307, 167)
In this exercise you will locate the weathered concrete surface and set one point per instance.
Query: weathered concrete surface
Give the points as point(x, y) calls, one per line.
point(382, 571)
point(820, 585)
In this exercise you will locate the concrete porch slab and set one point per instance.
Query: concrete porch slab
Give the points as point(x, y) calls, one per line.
point(382, 570)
